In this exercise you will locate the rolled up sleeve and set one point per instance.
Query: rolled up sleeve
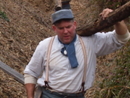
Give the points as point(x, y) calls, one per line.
point(29, 79)
point(123, 38)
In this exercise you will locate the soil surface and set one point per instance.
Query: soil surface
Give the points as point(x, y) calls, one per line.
point(24, 24)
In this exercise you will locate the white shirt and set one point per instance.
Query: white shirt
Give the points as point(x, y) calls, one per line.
point(62, 77)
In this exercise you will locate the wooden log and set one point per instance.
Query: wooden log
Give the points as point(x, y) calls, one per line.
point(119, 14)
point(17, 76)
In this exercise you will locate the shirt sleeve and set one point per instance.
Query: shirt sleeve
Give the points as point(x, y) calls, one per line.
point(123, 38)
point(29, 79)
point(36, 65)
point(105, 43)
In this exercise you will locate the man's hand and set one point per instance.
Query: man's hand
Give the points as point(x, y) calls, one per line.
point(120, 27)
point(105, 12)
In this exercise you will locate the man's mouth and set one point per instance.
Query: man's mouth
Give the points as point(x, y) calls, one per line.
point(66, 37)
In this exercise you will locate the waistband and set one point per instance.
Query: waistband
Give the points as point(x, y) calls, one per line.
point(62, 93)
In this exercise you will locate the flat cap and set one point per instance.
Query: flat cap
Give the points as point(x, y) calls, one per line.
point(62, 14)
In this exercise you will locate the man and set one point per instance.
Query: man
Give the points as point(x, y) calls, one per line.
point(66, 70)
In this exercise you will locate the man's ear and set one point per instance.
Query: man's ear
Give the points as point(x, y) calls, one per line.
point(75, 24)
point(54, 27)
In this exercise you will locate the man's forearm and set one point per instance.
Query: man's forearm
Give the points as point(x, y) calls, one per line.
point(30, 83)
point(121, 28)
point(30, 88)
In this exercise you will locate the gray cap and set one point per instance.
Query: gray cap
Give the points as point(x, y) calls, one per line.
point(62, 14)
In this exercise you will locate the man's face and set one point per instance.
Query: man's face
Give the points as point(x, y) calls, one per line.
point(65, 31)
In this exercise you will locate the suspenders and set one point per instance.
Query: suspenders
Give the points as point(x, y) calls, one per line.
point(85, 63)
point(48, 57)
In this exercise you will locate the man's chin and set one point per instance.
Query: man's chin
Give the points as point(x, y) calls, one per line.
point(66, 41)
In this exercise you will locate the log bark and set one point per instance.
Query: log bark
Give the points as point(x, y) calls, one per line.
point(119, 14)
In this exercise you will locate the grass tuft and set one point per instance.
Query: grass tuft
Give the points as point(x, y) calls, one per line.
point(4, 16)
point(118, 86)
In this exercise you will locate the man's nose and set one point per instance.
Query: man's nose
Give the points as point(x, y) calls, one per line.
point(65, 30)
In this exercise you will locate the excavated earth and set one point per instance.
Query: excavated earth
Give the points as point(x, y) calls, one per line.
point(26, 22)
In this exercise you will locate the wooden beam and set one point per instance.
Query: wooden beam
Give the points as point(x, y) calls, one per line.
point(17, 76)
point(119, 14)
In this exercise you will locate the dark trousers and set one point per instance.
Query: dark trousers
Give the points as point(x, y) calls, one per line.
point(48, 94)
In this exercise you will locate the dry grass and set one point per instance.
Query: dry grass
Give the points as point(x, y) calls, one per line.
point(29, 22)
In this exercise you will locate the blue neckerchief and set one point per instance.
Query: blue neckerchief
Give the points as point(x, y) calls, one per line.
point(69, 51)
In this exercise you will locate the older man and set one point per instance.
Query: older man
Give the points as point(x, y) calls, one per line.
point(72, 59)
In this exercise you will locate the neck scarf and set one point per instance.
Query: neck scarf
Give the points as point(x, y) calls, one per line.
point(69, 51)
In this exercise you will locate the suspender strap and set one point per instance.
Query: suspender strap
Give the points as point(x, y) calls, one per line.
point(85, 63)
point(48, 58)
